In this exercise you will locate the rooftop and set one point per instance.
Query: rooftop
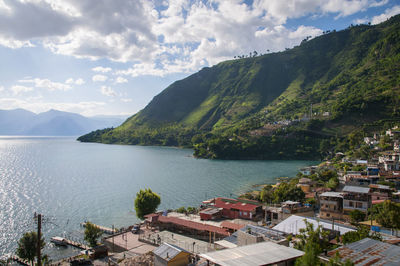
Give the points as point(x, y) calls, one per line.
point(193, 225)
point(257, 230)
point(236, 204)
point(257, 254)
point(369, 252)
point(229, 225)
point(332, 194)
point(211, 211)
point(356, 189)
point(168, 251)
point(294, 223)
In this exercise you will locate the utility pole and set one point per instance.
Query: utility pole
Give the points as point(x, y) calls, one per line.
point(113, 238)
point(39, 233)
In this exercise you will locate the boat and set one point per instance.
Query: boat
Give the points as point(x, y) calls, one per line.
point(60, 241)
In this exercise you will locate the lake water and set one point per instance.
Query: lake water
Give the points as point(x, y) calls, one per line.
point(70, 182)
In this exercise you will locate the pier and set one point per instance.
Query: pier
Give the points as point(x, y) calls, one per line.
point(104, 229)
point(19, 260)
point(76, 244)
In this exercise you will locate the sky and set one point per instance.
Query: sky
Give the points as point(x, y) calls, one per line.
point(111, 57)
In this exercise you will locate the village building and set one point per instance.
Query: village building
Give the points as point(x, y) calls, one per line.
point(276, 214)
point(368, 252)
point(396, 146)
point(211, 214)
point(239, 208)
point(264, 253)
point(371, 141)
point(305, 184)
point(294, 223)
point(251, 234)
point(380, 193)
point(199, 230)
point(390, 161)
point(393, 133)
point(171, 255)
point(331, 205)
point(356, 198)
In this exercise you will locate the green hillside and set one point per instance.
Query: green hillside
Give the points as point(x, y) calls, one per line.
point(299, 103)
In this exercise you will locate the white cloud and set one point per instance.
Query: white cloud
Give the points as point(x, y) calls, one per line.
point(108, 91)
point(46, 84)
point(101, 69)
point(78, 81)
point(388, 13)
point(121, 80)
point(1, 88)
point(99, 78)
point(126, 100)
point(183, 36)
point(17, 89)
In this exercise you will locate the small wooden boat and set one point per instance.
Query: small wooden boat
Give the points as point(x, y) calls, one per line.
point(60, 241)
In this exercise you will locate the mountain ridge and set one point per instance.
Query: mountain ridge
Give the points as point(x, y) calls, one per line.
point(50, 123)
point(348, 74)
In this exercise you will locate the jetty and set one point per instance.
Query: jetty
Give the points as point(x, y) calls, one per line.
point(19, 260)
point(104, 229)
point(76, 244)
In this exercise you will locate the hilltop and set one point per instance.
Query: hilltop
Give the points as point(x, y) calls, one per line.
point(51, 123)
point(299, 103)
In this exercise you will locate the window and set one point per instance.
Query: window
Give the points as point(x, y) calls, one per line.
point(275, 216)
point(359, 205)
point(351, 204)
point(328, 214)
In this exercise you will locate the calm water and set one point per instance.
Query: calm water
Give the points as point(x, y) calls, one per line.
point(70, 182)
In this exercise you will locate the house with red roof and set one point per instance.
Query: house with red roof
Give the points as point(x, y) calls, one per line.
point(238, 208)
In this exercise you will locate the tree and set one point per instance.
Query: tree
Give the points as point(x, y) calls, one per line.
point(92, 233)
point(312, 242)
point(146, 202)
point(332, 183)
point(387, 214)
point(361, 233)
point(27, 246)
point(356, 216)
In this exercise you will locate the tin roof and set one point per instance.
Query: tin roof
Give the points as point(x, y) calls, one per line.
point(229, 225)
point(332, 194)
point(369, 252)
point(235, 204)
point(168, 251)
point(264, 253)
point(193, 225)
point(356, 189)
point(294, 223)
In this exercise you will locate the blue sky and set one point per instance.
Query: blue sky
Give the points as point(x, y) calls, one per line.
point(113, 56)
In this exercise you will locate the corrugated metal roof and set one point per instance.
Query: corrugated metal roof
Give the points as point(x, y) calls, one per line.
point(356, 189)
point(369, 252)
point(332, 194)
point(193, 225)
point(168, 251)
point(294, 223)
point(256, 254)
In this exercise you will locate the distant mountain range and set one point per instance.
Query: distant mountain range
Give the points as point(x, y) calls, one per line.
point(299, 103)
point(52, 123)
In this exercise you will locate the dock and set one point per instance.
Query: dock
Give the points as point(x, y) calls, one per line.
point(19, 260)
point(104, 229)
point(76, 244)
